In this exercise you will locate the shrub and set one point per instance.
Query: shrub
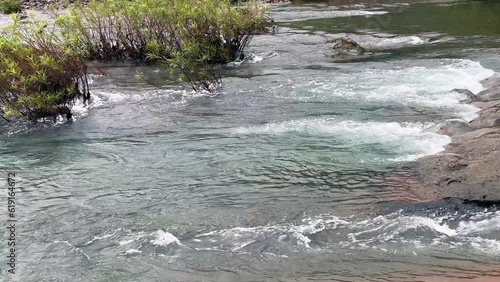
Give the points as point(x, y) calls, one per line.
point(38, 78)
point(193, 37)
point(43, 71)
point(10, 6)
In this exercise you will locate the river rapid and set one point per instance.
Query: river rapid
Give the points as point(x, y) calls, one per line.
point(291, 172)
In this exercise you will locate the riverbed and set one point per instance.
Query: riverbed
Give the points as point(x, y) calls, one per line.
point(287, 173)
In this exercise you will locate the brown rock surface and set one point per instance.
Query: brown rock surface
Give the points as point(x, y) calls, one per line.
point(469, 168)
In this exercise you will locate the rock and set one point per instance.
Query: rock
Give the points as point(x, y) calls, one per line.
point(491, 81)
point(44, 4)
point(469, 168)
point(470, 96)
point(490, 94)
point(346, 45)
point(451, 127)
point(470, 171)
point(490, 117)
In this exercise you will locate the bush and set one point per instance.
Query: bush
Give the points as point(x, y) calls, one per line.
point(38, 78)
point(43, 71)
point(193, 37)
point(10, 6)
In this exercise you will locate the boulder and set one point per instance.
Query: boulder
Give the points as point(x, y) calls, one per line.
point(490, 94)
point(490, 116)
point(471, 97)
point(451, 127)
point(346, 45)
point(491, 81)
point(469, 170)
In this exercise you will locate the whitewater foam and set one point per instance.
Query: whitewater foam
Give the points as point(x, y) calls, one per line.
point(295, 234)
point(301, 15)
point(409, 140)
point(381, 43)
point(385, 233)
point(164, 238)
point(417, 86)
point(133, 252)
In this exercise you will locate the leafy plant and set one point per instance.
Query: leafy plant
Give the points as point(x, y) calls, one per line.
point(194, 37)
point(38, 78)
point(10, 6)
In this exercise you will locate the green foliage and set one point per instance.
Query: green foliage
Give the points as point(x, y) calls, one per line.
point(10, 6)
point(38, 78)
point(43, 70)
point(194, 37)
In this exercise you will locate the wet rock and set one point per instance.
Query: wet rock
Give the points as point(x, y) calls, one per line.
point(491, 81)
point(451, 127)
point(347, 46)
point(469, 168)
point(471, 97)
point(490, 94)
point(490, 117)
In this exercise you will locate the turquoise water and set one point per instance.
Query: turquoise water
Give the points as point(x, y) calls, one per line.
point(287, 174)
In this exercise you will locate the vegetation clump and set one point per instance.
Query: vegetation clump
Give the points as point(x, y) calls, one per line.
point(43, 71)
point(10, 6)
point(38, 78)
point(194, 37)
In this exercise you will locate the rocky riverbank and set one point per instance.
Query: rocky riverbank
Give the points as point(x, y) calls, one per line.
point(46, 4)
point(469, 168)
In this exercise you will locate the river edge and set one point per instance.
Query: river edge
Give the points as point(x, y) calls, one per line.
point(469, 167)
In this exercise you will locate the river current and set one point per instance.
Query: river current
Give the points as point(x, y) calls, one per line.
point(285, 174)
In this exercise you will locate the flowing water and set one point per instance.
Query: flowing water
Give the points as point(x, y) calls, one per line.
point(285, 175)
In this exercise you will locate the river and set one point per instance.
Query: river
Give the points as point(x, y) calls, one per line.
point(286, 174)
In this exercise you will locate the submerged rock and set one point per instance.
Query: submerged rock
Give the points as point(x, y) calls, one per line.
point(347, 46)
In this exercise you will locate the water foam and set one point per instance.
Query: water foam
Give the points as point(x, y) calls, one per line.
point(164, 238)
point(302, 15)
point(100, 99)
point(374, 43)
point(385, 233)
point(408, 139)
point(428, 87)
point(239, 237)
